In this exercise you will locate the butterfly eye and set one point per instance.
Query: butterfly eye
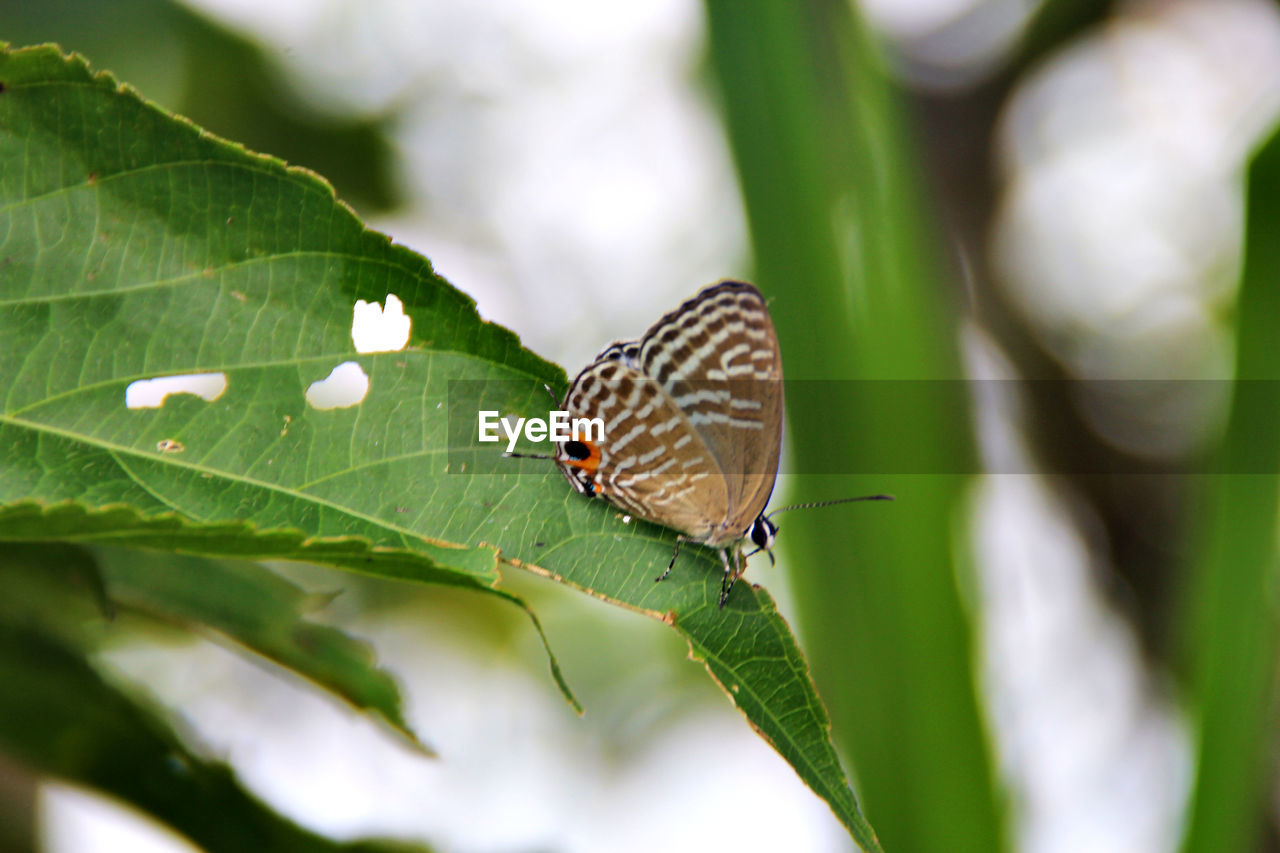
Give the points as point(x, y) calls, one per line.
point(763, 532)
point(577, 450)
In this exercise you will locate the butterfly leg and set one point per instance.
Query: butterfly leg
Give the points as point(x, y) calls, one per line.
point(674, 552)
point(731, 572)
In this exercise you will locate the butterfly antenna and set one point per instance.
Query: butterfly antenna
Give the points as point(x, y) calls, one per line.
point(816, 504)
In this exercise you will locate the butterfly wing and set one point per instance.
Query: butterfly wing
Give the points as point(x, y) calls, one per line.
point(717, 359)
point(652, 462)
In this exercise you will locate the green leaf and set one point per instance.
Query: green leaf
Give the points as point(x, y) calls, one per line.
point(54, 589)
point(177, 253)
point(52, 602)
point(259, 610)
point(138, 246)
point(238, 601)
point(68, 722)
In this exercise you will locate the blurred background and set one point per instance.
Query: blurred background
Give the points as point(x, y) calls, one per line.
point(567, 164)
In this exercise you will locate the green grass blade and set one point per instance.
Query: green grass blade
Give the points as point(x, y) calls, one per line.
point(1233, 583)
point(836, 224)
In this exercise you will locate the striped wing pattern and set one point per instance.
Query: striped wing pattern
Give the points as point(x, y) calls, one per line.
point(717, 357)
point(692, 415)
point(652, 463)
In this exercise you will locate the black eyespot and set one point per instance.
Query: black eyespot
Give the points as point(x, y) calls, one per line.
point(577, 450)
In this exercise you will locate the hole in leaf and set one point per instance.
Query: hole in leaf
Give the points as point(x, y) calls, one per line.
point(151, 393)
point(345, 386)
point(378, 329)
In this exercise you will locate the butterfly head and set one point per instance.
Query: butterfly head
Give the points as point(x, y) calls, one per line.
point(762, 534)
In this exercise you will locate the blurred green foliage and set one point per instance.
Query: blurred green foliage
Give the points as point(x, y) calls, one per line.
point(219, 80)
point(1232, 625)
point(60, 717)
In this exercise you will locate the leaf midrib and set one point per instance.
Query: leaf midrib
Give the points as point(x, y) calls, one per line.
point(117, 451)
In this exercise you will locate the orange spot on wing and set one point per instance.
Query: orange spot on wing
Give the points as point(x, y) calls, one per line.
point(591, 464)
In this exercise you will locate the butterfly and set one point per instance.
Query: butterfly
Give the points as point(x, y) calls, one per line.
point(692, 415)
